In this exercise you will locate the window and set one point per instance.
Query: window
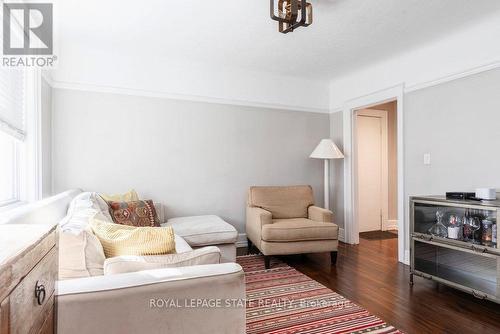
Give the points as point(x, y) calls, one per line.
point(9, 181)
point(12, 132)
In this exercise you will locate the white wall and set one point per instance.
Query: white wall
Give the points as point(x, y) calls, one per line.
point(197, 158)
point(458, 124)
point(46, 135)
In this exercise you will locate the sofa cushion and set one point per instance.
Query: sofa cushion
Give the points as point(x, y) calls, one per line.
point(282, 202)
point(119, 239)
point(203, 230)
point(298, 229)
point(134, 213)
point(127, 264)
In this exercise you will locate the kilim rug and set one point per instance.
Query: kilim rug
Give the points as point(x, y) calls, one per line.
point(281, 300)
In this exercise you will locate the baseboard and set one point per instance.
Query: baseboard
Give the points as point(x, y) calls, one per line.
point(242, 240)
point(391, 224)
point(407, 257)
point(341, 234)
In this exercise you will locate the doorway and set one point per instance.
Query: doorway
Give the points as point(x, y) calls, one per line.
point(375, 171)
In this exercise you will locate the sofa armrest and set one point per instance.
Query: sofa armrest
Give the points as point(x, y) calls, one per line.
point(128, 264)
point(172, 300)
point(320, 215)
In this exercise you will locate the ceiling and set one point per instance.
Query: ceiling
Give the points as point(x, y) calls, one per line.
point(345, 35)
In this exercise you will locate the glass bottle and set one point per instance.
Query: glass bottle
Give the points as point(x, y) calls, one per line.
point(438, 229)
point(487, 233)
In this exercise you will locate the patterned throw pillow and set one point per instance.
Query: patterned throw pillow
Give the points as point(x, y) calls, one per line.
point(134, 213)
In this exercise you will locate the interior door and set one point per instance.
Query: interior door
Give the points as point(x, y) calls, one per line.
point(369, 146)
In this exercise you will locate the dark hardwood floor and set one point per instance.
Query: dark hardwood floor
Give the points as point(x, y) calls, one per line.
point(369, 275)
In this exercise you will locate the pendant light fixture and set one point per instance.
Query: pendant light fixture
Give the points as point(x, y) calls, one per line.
point(291, 14)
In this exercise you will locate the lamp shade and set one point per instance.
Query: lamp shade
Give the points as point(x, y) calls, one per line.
point(326, 149)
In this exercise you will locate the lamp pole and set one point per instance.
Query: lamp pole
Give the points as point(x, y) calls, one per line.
point(327, 184)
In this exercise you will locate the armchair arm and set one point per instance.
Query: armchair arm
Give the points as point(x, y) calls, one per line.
point(256, 218)
point(155, 301)
point(320, 215)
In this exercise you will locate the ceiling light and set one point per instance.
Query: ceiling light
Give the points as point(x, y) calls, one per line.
point(291, 14)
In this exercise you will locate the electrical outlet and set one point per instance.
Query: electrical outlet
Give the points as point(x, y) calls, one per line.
point(427, 158)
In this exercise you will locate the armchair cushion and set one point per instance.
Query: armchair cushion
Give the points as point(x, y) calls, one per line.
point(282, 202)
point(127, 264)
point(298, 229)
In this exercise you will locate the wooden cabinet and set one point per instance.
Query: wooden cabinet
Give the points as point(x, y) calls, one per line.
point(28, 272)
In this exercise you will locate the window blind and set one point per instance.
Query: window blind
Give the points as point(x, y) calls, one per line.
point(12, 102)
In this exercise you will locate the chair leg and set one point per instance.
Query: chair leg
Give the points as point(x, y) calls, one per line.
point(267, 261)
point(249, 247)
point(333, 256)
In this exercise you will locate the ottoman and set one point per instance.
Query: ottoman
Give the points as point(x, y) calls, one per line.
point(199, 231)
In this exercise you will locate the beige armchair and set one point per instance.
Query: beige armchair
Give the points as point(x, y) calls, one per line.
point(284, 220)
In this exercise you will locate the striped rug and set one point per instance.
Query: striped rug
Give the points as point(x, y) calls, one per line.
point(282, 300)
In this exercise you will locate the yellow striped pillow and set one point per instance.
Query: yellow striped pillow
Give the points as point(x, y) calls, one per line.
point(119, 239)
point(129, 196)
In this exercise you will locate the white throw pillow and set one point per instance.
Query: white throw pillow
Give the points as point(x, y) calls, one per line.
point(127, 264)
point(80, 252)
point(80, 255)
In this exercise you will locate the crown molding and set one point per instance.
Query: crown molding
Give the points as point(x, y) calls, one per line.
point(248, 103)
point(174, 96)
point(408, 88)
point(452, 77)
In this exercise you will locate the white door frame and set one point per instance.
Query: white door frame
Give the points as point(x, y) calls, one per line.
point(350, 224)
point(382, 114)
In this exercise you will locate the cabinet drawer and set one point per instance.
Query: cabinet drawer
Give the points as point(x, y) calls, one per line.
point(26, 309)
point(472, 272)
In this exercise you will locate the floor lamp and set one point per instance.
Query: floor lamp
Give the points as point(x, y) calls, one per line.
point(327, 150)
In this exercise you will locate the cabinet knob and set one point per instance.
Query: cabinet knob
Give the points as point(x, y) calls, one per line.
point(479, 295)
point(40, 293)
point(478, 249)
point(425, 237)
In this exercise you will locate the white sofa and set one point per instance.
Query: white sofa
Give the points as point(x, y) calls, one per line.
point(147, 301)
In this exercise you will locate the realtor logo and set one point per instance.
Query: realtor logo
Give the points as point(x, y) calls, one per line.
point(27, 29)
